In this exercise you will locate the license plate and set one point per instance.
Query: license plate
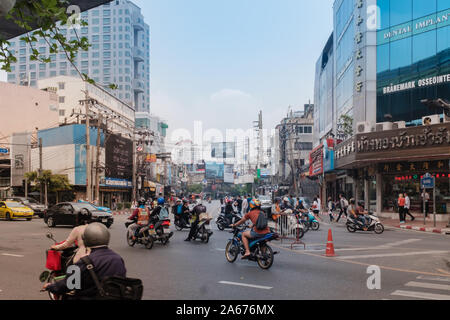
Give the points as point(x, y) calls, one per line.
point(104, 220)
point(166, 230)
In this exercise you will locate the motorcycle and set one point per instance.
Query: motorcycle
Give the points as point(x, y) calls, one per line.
point(374, 225)
point(181, 224)
point(57, 264)
point(142, 237)
point(309, 221)
point(261, 252)
point(222, 221)
point(203, 231)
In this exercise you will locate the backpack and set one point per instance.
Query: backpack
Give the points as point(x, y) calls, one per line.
point(114, 288)
point(345, 203)
point(163, 214)
point(261, 223)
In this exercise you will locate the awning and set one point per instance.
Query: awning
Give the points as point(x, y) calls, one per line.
point(149, 184)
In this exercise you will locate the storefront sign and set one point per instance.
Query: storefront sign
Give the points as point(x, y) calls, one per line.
point(117, 183)
point(4, 151)
point(425, 82)
point(414, 167)
point(316, 161)
point(151, 158)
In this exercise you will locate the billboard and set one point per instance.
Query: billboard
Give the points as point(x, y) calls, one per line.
point(214, 170)
point(223, 150)
point(228, 176)
point(119, 158)
point(316, 161)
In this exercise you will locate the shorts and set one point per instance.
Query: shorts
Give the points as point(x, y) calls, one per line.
point(255, 235)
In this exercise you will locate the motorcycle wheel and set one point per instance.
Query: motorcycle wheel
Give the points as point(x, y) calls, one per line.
point(130, 240)
point(305, 227)
point(351, 228)
point(299, 233)
point(165, 241)
point(220, 227)
point(266, 261)
point(178, 227)
point(149, 243)
point(231, 252)
point(315, 225)
point(379, 228)
point(50, 222)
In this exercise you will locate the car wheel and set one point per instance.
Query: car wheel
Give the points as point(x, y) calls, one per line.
point(51, 222)
point(29, 219)
point(8, 216)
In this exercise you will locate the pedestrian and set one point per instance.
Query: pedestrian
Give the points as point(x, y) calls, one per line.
point(401, 207)
point(426, 196)
point(239, 204)
point(331, 208)
point(114, 204)
point(408, 207)
point(315, 208)
point(343, 206)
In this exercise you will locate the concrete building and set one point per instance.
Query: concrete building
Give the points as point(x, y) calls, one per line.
point(120, 54)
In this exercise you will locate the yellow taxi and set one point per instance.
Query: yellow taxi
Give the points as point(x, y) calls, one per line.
point(10, 210)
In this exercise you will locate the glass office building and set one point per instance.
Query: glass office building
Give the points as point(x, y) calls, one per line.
point(119, 54)
point(413, 57)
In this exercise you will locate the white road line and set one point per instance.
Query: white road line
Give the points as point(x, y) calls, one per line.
point(434, 278)
point(421, 295)
point(427, 285)
point(399, 243)
point(245, 285)
point(12, 255)
point(391, 255)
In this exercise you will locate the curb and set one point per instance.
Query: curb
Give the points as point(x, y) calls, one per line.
point(423, 229)
point(118, 213)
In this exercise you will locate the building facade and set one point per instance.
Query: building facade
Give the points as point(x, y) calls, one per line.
point(120, 54)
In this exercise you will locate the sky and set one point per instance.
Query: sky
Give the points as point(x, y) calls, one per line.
point(222, 61)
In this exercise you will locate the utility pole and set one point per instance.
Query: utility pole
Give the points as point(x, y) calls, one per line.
point(88, 154)
point(293, 168)
point(134, 169)
point(40, 166)
point(97, 162)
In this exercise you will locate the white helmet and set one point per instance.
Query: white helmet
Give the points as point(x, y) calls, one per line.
point(286, 199)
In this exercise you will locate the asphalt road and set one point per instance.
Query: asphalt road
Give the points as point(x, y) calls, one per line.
point(413, 265)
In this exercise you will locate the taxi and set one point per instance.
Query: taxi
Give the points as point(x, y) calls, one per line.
point(10, 210)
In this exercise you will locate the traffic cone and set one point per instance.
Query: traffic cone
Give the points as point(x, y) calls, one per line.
point(330, 246)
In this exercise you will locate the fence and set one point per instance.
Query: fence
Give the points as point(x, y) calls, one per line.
point(288, 228)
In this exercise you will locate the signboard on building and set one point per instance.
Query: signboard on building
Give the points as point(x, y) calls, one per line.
point(214, 170)
point(316, 161)
point(228, 173)
point(4, 151)
point(119, 158)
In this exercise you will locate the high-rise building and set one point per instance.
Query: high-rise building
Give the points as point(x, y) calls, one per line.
point(119, 54)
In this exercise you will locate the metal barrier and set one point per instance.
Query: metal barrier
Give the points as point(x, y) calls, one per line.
point(288, 228)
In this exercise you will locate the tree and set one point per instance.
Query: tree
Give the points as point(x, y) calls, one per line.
point(195, 188)
point(55, 182)
point(50, 16)
point(345, 127)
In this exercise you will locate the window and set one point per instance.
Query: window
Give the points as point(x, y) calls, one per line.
point(62, 112)
point(85, 64)
point(62, 72)
point(95, 38)
point(52, 74)
point(107, 46)
point(43, 74)
point(423, 8)
point(61, 85)
point(95, 63)
point(62, 99)
point(106, 63)
point(107, 54)
point(106, 21)
point(42, 66)
point(106, 38)
point(22, 51)
point(95, 46)
point(95, 54)
point(95, 30)
point(63, 64)
point(84, 55)
point(95, 21)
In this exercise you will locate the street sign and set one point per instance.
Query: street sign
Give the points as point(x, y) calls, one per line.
point(427, 182)
point(4, 151)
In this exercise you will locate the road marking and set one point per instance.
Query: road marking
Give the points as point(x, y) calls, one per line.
point(12, 255)
point(421, 295)
point(434, 278)
point(427, 285)
point(245, 285)
point(399, 243)
point(403, 254)
point(219, 249)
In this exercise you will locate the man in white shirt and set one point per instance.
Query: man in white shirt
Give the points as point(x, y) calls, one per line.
point(407, 207)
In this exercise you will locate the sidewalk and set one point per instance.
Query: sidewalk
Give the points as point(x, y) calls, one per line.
point(122, 212)
point(417, 224)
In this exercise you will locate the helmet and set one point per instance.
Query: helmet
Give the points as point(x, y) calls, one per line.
point(161, 201)
point(286, 199)
point(178, 200)
point(255, 203)
point(84, 216)
point(96, 235)
point(141, 202)
point(361, 203)
point(352, 201)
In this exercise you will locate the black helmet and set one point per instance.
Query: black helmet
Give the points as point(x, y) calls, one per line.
point(361, 203)
point(96, 235)
point(84, 217)
point(352, 201)
point(142, 202)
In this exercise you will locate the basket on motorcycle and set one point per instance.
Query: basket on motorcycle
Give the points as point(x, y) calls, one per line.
point(205, 216)
point(53, 260)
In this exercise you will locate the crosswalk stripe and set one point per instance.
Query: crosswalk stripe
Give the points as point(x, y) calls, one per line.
point(430, 278)
point(427, 285)
point(421, 295)
point(400, 254)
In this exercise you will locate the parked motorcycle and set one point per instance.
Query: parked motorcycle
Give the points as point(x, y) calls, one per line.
point(203, 232)
point(57, 263)
point(261, 252)
point(222, 221)
point(374, 224)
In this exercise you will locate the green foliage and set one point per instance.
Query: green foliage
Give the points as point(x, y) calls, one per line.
point(127, 205)
point(119, 206)
point(55, 182)
point(49, 16)
point(195, 188)
point(345, 127)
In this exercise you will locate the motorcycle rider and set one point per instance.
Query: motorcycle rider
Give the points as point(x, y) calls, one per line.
point(75, 237)
point(177, 210)
point(361, 212)
point(106, 263)
point(141, 213)
point(229, 211)
point(154, 216)
point(196, 211)
point(252, 215)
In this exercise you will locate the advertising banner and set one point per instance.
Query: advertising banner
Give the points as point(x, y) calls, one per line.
point(228, 173)
point(214, 170)
point(119, 158)
point(316, 161)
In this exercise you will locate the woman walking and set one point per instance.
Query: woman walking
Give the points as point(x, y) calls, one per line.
point(401, 207)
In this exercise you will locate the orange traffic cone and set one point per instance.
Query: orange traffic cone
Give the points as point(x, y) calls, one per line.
point(330, 246)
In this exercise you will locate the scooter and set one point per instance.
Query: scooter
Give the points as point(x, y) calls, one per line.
point(309, 221)
point(374, 225)
point(203, 230)
point(181, 224)
point(261, 252)
point(57, 264)
point(223, 223)
point(142, 237)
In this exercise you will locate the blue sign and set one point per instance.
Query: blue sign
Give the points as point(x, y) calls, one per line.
point(427, 182)
point(4, 151)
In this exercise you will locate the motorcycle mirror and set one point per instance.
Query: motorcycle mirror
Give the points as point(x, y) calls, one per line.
point(44, 276)
point(50, 236)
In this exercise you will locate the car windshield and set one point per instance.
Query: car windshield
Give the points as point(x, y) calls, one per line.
point(32, 201)
point(80, 206)
point(264, 198)
point(14, 205)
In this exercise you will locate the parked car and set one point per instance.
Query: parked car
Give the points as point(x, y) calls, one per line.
point(37, 207)
point(11, 210)
point(105, 209)
point(66, 213)
point(265, 200)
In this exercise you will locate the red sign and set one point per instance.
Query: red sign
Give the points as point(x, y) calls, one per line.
point(316, 161)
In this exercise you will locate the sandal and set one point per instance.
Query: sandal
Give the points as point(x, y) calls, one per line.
point(245, 257)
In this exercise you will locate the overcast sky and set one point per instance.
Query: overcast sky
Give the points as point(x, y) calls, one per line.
point(222, 61)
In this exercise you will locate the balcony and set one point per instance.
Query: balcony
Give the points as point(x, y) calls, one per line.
point(138, 85)
point(138, 22)
point(138, 54)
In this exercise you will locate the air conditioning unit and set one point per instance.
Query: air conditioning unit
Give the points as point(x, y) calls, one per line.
point(363, 127)
point(399, 125)
point(429, 120)
point(383, 126)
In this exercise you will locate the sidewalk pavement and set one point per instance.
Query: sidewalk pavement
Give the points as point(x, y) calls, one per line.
point(122, 212)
